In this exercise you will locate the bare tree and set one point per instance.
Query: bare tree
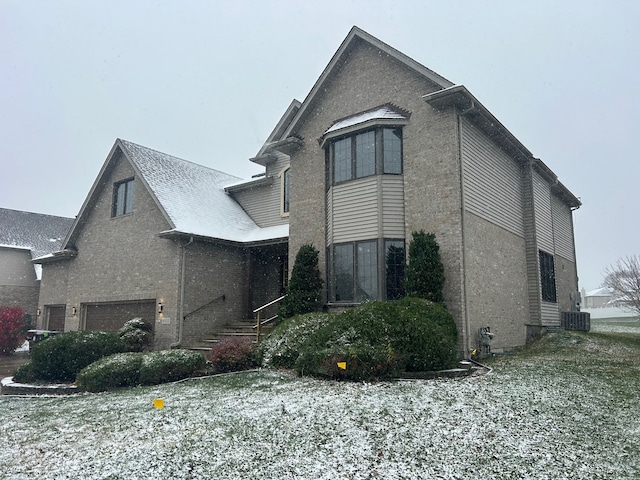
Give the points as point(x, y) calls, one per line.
point(624, 279)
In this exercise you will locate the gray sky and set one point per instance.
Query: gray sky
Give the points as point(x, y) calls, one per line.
point(208, 80)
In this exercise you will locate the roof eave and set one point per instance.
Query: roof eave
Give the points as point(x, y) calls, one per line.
point(459, 97)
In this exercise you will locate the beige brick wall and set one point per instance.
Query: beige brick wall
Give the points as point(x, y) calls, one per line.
point(369, 78)
point(496, 280)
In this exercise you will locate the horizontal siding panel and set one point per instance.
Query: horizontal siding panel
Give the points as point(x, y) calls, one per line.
point(550, 314)
point(542, 208)
point(492, 181)
point(393, 207)
point(355, 210)
point(562, 229)
point(262, 204)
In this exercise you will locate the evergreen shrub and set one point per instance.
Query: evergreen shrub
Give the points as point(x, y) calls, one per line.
point(61, 357)
point(169, 365)
point(381, 339)
point(119, 370)
point(233, 354)
point(136, 334)
point(139, 368)
point(305, 287)
point(425, 272)
point(282, 347)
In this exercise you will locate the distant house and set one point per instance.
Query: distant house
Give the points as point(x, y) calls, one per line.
point(381, 147)
point(600, 297)
point(24, 236)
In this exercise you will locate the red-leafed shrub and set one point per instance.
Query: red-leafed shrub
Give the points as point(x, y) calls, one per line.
point(11, 329)
point(233, 354)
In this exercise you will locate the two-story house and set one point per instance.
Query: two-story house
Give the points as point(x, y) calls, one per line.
point(381, 147)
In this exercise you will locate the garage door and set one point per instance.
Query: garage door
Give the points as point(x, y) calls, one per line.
point(110, 317)
point(56, 315)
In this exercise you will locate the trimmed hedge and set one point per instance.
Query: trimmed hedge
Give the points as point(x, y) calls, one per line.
point(61, 357)
point(282, 347)
point(374, 340)
point(136, 368)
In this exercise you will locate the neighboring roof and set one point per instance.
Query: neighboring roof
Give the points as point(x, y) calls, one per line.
point(40, 234)
point(355, 35)
point(190, 196)
point(600, 292)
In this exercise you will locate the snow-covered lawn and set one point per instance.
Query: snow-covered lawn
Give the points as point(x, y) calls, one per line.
point(565, 409)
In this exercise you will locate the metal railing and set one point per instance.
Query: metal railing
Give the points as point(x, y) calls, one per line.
point(258, 311)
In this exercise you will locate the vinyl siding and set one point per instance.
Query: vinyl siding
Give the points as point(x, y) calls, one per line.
point(492, 181)
point(562, 229)
point(392, 206)
point(544, 220)
point(368, 208)
point(263, 203)
point(550, 314)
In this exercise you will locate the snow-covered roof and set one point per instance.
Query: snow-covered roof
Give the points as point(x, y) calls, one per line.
point(39, 233)
point(378, 113)
point(193, 197)
point(599, 292)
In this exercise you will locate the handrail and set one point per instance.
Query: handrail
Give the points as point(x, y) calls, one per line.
point(223, 297)
point(269, 304)
point(259, 310)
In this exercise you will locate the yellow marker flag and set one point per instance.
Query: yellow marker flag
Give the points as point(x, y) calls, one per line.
point(342, 365)
point(158, 403)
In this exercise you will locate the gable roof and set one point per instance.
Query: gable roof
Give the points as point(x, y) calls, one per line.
point(38, 233)
point(355, 35)
point(191, 197)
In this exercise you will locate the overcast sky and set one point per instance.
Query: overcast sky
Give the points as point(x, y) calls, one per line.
point(208, 80)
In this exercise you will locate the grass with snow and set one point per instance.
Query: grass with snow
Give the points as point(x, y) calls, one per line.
point(566, 408)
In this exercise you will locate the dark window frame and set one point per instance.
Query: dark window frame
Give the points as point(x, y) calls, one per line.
point(548, 288)
point(351, 276)
point(350, 147)
point(123, 192)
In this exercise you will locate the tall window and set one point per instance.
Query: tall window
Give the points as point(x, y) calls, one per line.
point(123, 198)
point(547, 277)
point(395, 261)
point(367, 153)
point(286, 185)
point(358, 275)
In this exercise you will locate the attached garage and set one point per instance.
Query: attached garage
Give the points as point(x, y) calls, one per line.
point(110, 317)
point(55, 317)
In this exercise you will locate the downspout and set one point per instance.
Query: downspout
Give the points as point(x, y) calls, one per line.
point(181, 305)
point(467, 321)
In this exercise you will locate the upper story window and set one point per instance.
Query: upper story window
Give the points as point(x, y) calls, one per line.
point(286, 189)
point(547, 277)
point(123, 198)
point(377, 151)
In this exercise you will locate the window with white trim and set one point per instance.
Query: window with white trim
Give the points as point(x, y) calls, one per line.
point(286, 188)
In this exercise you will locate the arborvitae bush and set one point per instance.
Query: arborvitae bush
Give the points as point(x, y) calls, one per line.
point(233, 354)
point(425, 272)
point(136, 334)
point(305, 287)
point(169, 365)
point(61, 357)
point(13, 322)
